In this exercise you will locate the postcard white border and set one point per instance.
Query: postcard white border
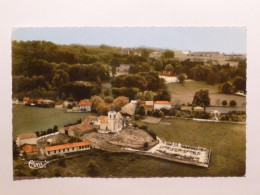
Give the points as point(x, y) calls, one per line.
point(16, 13)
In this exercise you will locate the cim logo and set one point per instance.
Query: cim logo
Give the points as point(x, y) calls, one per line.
point(37, 164)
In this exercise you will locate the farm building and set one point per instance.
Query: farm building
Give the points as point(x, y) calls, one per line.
point(77, 130)
point(67, 148)
point(162, 104)
point(29, 150)
point(29, 138)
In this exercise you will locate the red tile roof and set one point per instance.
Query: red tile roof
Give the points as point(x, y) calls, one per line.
point(162, 102)
point(26, 98)
point(28, 135)
point(59, 103)
point(27, 148)
point(65, 146)
point(103, 119)
point(85, 103)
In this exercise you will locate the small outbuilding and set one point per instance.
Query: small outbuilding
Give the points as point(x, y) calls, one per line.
point(29, 138)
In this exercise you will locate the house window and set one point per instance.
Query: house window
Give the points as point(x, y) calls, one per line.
point(72, 148)
point(48, 152)
point(68, 149)
point(54, 151)
point(63, 150)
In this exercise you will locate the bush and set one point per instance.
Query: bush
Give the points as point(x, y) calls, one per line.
point(232, 103)
point(62, 163)
point(146, 145)
point(224, 102)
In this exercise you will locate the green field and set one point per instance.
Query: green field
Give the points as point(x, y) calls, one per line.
point(30, 119)
point(227, 141)
point(183, 93)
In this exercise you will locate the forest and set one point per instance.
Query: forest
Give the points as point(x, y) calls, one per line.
point(43, 69)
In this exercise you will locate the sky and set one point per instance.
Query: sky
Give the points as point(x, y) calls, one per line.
point(216, 39)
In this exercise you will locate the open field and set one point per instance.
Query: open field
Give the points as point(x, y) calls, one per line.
point(183, 93)
point(30, 119)
point(227, 141)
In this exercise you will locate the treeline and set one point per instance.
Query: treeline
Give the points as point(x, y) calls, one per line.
point(46, 132)
point(46, 70)
point(235, 77)
point(143, 85)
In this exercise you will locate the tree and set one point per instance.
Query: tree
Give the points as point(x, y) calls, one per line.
point(239, 83)
point(158, 65)
point(224, 102)
point(92, 169)
point(182, 77)
point(169, 67)
point(168, 54)
point(201, 97)
point(141, 110)
point(163, 94)
point(233, 103)
point(225, 88)
point(212, 77)
point(113, 70)
point(108, 99)
point(60, 78)
point(120, 101)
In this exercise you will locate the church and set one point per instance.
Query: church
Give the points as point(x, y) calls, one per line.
point(113, 122)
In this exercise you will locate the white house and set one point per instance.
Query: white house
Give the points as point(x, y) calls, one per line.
point(85, 106)
point(59, 104)
point(155, 54)
point(67, 148)
point(123, 68)
point(162, 104)
point(15, 101)
point(29, 138)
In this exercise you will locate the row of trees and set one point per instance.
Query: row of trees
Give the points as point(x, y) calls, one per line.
point(102, 106)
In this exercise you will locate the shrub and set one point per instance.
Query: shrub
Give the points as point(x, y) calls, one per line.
point(232, 103)
point(224, 102)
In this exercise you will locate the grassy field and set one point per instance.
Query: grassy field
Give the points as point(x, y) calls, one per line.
point(183, 93)
point(227, 141)
point(30, 119)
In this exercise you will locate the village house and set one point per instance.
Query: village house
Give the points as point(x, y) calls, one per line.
point(29, 138)
point(15, 101)
point(162, 104)
point(67, 148)
point(59, 104)
point(123, 69)
point(148, 105)
point(85, 105)
point(29, 150)
point(26, 100)
point(66, 103)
